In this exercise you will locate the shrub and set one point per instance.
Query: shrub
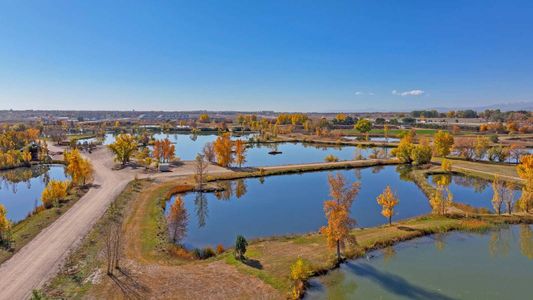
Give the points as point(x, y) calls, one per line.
point(331, 158)
point(220, 249)
point(205, 253)
point(300, 271)
point(54, 192)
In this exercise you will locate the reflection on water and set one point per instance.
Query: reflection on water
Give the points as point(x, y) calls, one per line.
point(257, 154)
point(21, 188)
point(476, 192)
point(289, 204)
point(469, 266)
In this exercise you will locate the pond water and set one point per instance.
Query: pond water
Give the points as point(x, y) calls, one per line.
point(493, 265)
point(187, 146)
point(290, 204)
point(476, 192)
point(21, 188)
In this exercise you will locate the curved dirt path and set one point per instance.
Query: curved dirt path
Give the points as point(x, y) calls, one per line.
point(41, 258)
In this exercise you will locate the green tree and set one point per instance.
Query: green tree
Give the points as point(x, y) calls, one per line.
point(240, 247)
point(363, 126)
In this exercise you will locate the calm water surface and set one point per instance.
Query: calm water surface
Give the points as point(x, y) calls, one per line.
point(290, 204)
point(21, 188)
point(476, 192)
point(188, 146)
point(493, 265)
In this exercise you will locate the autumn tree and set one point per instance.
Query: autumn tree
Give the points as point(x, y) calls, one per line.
point(5, 227)
point(497, 194)
point(386, 132)
point(404, 149)
point(240, 152)
point(508, 197)
point(481, 147)
point(177, 220)
point(204, 118)
point(442, 143)
point(421, 153)
point(54, 192)
point(388, 200)
point(124, 147)
point(441, 198)
point(164, 150)
point(79, 168)
point(300, 271)
point(337, 211)
point(223, 150)
point(525, 171)
point(446, 165)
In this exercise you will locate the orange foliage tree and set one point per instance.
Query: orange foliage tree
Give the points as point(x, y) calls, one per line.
point(337, 212)
point(164, 150)
point(222, 147)
point(388, 200)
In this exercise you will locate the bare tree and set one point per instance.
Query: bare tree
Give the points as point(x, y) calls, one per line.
point(113, 239)
point(209, 152)
point(201, 171)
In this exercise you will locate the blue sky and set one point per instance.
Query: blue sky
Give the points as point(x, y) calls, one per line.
point(264, 55)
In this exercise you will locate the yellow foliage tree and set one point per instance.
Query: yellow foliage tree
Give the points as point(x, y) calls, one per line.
point(337, 212)
point(442, 143)
point(525, 171)
point(222, 147)
point(498, 190)
point(446, 165)
point(54, 192)
point(300, 271)
point(240, 152)
point(388, 200)
point(79, 168)
point(5, 225)
point(442, 197)
point(124, 147)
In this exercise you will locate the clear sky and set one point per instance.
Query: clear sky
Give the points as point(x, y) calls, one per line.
point(285, 55)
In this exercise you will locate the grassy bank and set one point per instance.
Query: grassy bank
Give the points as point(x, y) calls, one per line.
point(82, 267)
point(25, 230)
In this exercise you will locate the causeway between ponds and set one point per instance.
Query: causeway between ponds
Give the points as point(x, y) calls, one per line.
point(41, 258)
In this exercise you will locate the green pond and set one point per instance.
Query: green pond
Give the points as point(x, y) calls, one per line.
point(497, 264)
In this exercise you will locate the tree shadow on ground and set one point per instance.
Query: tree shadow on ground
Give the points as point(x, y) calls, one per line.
point(394, 283)
point(254, 263)
point(130, 286)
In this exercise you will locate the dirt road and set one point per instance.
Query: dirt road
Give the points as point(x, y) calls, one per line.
point(41, 258)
